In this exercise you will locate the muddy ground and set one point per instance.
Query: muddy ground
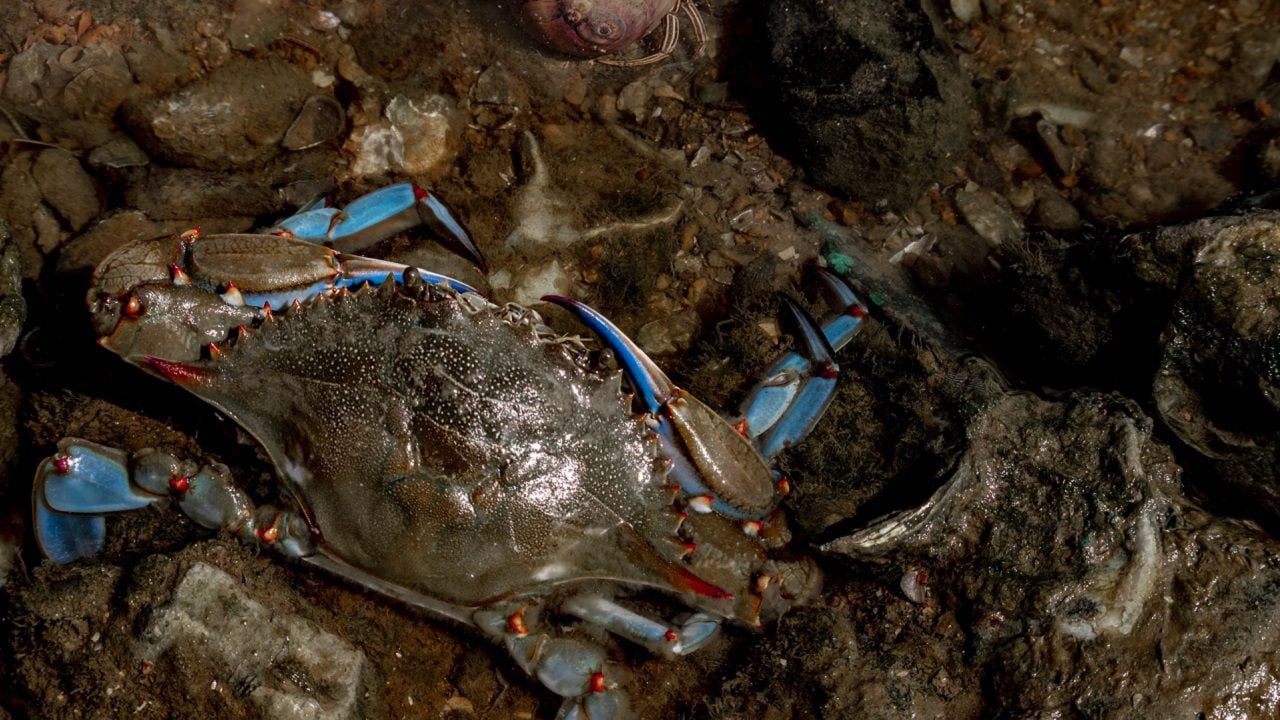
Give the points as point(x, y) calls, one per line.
point(990, 175)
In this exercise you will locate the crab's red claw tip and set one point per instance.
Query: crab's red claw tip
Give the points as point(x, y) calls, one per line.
point(179, 373)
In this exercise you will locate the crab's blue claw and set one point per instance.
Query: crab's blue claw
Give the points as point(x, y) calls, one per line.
point(67, 538)
point(73, 490)
point(851, 313)
point(814, 389)
point(770, 399)
point(789, 391)
point(438, 216)
point(378, 216)
point(312, 224)
point(651, 384)
point(89, 479)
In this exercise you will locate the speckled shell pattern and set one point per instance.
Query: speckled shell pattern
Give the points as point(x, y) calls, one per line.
point(450, 446)
point(590, 28)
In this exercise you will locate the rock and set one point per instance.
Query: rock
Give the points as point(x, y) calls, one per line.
point(413, 136)
point(22, 208)
point(497, 86)
point(1218, 385)
point(95, 639)
point(13, 307)
point(428, 128)
point(1058, 555)
point(24, 85)
point(66, 187)
point(81, 82)
point(232, 118)
point(1054, 213)
point(255, 24)
point(669, 335)
point(49, 234)
point(966, 10)
point(174, 194)
point(11, 398)
point(101, 82)
point(117, 154)
point(868, 104)
point(307, 673)
point(161, 67)
point(575, 89)
point(13, 313)
point(989, 216)
point(321, 120)
point(533, 281)
point(635, 97)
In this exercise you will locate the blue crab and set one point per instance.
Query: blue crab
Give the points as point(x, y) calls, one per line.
point(449, 452)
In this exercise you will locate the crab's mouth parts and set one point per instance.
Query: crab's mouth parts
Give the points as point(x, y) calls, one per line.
point(177, 323)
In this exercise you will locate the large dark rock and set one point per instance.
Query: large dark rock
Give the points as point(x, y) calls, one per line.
point(866, 98)
point(1058, 572)
point(13, 307)
point(13, 313)
point(1218, 386)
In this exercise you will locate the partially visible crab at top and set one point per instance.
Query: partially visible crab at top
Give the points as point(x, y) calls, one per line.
point(595, 28)
point(451, 453)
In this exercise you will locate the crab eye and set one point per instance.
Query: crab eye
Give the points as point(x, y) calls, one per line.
point(133, 307)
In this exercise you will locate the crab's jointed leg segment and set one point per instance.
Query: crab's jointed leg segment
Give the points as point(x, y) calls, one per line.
point(76, 488)
point(659, 638)
point(89, 479)
point(577, 671)
point(379, 215)
point(269, 270)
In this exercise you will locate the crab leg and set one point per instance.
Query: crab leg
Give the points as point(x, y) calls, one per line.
point(379, 215)
point(715, 466)
point(73, 490)
point(273, 270)
point(654, 389)
point(647, 379)
point(84, 481)
point(789, 391)
point(659, 638)
point(575, 670)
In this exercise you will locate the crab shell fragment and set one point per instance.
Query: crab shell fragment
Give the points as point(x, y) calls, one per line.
point(591, 28)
